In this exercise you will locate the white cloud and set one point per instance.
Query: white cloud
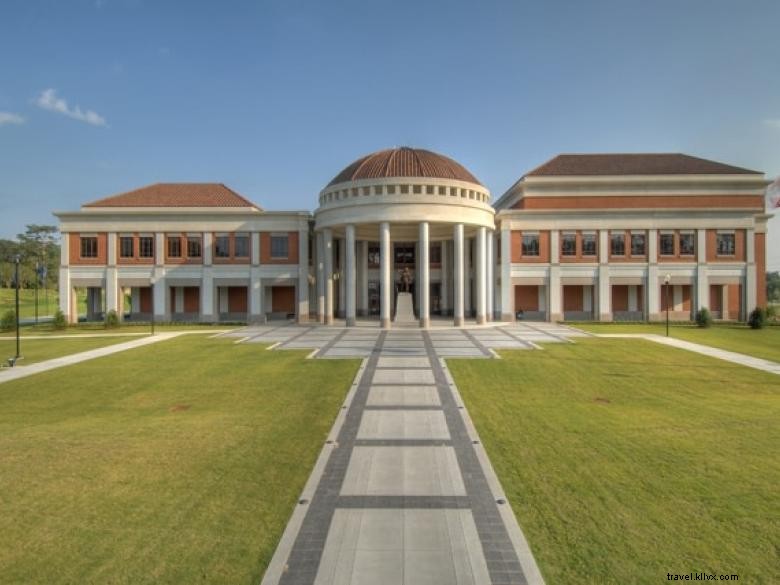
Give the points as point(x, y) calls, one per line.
point(10, 118)
point(772, 122)
point(48, 100)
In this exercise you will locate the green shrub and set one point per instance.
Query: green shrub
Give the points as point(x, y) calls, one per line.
point(757, 318)
point(704, 317)
point(112, 320)
point(59, 321)
point(8, 320)
point(771, 313)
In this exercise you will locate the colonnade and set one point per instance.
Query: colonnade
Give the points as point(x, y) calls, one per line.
point(352, 250)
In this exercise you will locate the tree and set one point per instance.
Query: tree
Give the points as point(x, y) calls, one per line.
point(40, 255)
point(773, 286)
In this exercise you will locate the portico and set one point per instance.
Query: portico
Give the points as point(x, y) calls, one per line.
point(405, 213)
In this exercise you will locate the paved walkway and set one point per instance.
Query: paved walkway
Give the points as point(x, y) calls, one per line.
point(721, 354)
point(8, 374)
point(403, 492)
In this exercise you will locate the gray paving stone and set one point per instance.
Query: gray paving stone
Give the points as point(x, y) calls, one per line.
point(403, 377)
point(403, 396)
point(403, 424)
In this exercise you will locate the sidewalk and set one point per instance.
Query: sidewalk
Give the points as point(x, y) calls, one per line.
point(18, 372)
point(721, 354)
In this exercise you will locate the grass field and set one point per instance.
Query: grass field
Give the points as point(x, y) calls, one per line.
point(626, 460)
point(27, 302)
point(46, 329)
point(174, 463)
point(37, 350)
point(763, 343)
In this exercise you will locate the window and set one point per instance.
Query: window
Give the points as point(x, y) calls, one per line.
point(146, 247)
point(666, 244)
point(174, 247)
point(373, 255)
point(638, 244)
point(435, 254)
point(687, 244)
point(193, 247)
point(222, 247)
point(280, 246)
point(126, 247)
point(530, 244)
point(89, 247)
point(588, 244)
point(241, 246)
point(724, 244)
point(568, 244)
point(405, 253)
point(617, 243)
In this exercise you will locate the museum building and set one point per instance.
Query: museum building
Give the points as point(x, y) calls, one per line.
point(407, 234)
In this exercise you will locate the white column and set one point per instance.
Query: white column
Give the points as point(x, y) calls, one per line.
point(507, 290)
point(112, 290)
point(256, 314)
point(255, 242)
point(605, 302)
point(444, 282)
point(160, 297)
point(467, 305)
point(159, 249)
point(481, 275)
point(303, 275)
point(350, 278)
point(385, 255)
point(207, 295)
point(363, 278)
point(320, 278)
point(66, 293)
point(425, 276)
point(208, 246)
point(702, 298)
point(555, 292)
point(751, 289)
point(490, 278)
point(327, 235)
point(342, 282)
point(652, 289)
point(458, 266)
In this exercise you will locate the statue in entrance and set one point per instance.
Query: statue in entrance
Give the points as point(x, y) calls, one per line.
point(406, 278)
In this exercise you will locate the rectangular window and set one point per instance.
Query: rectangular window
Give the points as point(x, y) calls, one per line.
point(617, 243)
point(193, 247)
point(404, 254)
point(146, 247)
point(589, 244)
point(435, 254)
point(280, 246)
point(126, 247)
point(687, 244)
point(89, 247)
point(222, 247)
point(638, 245)
point(174, 247)
point(241, 246)
point(373, 255)
point(724, 244)
point(530, 244)
point(568, 244)
point(666, 244)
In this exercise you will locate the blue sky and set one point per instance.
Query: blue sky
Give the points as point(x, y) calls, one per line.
point(274, 97)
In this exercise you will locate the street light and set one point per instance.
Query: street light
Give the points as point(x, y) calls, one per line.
point(151, 286)
point(667, 280)
point(17, 259)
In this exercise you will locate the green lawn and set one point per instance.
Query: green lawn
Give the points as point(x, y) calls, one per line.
point(27, 302)
point(46, 329)
point(37, 350)
point(625, 460)
point(763, 343)
point(174, 463)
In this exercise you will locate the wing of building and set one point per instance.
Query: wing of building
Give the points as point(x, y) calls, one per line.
point(581, 237)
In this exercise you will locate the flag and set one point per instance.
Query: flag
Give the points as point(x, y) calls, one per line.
point(773, 194)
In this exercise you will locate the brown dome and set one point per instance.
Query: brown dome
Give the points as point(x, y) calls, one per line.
point(404, 162)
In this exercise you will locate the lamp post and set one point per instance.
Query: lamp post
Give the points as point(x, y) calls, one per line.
point(37, 276)
point(17, 259)
point(667, 280)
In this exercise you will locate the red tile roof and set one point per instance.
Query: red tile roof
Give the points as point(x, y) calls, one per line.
point(404, 162)
point(634, 164)
point(176, 195)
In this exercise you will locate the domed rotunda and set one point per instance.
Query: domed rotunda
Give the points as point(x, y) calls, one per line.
point(404, 234)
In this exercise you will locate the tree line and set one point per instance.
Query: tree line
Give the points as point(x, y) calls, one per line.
point(38, 250)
